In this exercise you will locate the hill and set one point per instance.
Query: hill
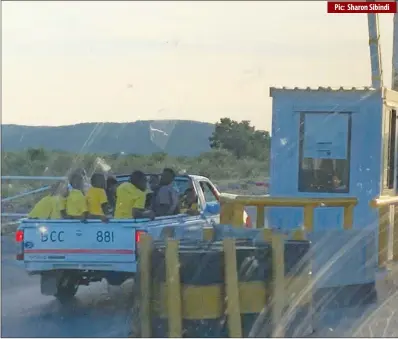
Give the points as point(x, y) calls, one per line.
point(174, 137)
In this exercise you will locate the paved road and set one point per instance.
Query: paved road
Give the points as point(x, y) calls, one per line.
point(26, 313)
point(96, 313)
point(380, 320)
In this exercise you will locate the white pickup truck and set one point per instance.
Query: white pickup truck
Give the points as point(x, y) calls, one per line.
point(69, 253)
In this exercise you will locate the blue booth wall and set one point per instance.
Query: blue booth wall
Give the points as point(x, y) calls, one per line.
point(366, 108)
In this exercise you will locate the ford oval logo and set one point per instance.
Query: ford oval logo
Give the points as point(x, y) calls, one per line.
point(29, 244)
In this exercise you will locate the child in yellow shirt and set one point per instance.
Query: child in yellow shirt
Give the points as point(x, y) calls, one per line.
point(76, 204)
point(130, 198)
point(97, 201)
point(51, 206)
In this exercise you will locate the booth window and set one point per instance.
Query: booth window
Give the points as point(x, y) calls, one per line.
point(324, 152)
point(390, 149)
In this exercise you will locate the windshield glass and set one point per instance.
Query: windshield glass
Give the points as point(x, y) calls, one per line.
point(272, 102)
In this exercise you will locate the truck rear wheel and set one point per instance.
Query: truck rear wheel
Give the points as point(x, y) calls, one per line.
point(67, 287)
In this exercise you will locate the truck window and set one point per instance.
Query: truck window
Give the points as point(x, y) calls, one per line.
point(182, 184)
point(208, 192)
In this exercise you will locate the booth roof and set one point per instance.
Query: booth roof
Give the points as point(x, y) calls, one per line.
point(321, 89)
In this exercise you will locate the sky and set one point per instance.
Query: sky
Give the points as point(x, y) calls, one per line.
point(70, 62)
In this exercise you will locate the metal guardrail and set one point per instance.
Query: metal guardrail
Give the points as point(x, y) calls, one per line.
point(387, 206)
point(14, 215)
point(26, 177)
point(232, 207)
point(26, 193)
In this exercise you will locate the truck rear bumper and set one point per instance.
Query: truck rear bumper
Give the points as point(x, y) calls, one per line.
point(37, 267)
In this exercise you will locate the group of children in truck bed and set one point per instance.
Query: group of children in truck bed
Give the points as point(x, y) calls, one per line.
point(105, 197)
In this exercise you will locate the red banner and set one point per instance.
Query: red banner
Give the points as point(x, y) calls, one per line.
point(362, 7)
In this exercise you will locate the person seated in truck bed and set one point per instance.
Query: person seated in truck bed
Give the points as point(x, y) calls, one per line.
point(111, 186)
point(130, 198)
point(76, 204)
point(153, 185)
point(166, 199)
point(97, 201)
point(52, 205)
point(82, 172)
point(189, 202)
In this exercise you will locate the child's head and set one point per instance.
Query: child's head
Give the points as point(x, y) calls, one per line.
point(76, 181)
point(190, 196)
point(98, 180)
point(167, 176)
point(139, 180)
point(82, 172)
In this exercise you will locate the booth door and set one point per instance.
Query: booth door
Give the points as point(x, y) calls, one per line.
point(390, 164)
point(324, 162)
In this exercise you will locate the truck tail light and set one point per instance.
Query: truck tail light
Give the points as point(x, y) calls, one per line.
point(19, 236)
point(138, 235)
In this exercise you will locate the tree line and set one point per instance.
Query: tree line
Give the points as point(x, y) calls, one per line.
point(238, 151)
point(241, 139)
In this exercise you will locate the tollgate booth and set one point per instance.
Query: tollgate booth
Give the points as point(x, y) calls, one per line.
point(335, 143)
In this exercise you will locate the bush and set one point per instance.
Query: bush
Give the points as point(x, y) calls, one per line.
point(218, 165)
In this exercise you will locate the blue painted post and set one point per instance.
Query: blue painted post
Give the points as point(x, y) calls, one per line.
point(375, 51)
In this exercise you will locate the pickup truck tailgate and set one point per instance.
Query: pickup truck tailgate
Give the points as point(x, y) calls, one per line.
point(78, 242)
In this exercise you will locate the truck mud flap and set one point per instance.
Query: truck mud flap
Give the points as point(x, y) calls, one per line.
point(48, 283)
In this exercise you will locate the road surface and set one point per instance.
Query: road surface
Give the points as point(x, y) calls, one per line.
point(96, 313)
point(26, 313)
point(377, 320)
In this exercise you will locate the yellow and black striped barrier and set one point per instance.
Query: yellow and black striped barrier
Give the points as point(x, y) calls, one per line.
point(187, 290)
point(228, 288)
point(289, 312)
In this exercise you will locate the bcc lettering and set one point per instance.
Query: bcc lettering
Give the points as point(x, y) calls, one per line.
point(53, 236)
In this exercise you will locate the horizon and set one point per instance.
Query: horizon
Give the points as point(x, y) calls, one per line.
point(129, 61)
point(111, 122)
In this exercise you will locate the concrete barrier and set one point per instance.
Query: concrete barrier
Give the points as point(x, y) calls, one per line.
point(200, 292)
point(230, 287)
